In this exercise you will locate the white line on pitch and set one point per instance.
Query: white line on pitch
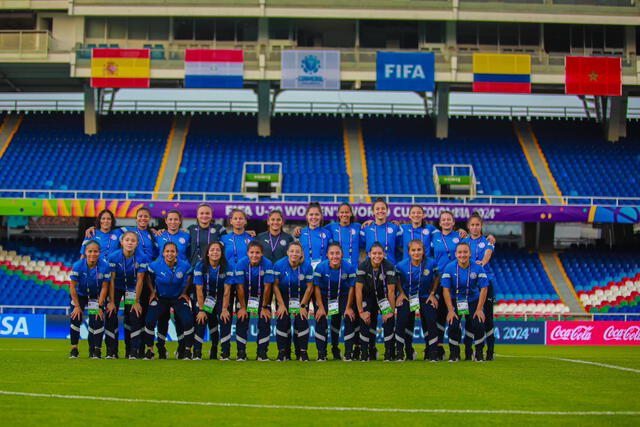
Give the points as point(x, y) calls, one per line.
point(318, 408)
point(584, 362)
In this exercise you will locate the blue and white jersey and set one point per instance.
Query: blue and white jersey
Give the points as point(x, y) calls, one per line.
point(182, 239)
point(444, 248)
point(349, 238)
point(125, 270)
point(212, 280)
point(253, 277)
point(108, 242)
point(425, 233)
point(417, 280)
point(293, 281)
point(146, 241)
point(388, 235)
point(89, 281)
point(315, 243)
point(235, 247)
point(478, 247)
point(464, 283)
point(334, 282)
point(169, 281)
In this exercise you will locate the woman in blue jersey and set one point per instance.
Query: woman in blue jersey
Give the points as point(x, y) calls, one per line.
point(334, 280)
point(314, 238)
point(417, 229)
point(481, 251)
point(419, 279)
point(169, 274)
point(210, 276)
point(293, 287)
point(236, 243)
point(254, 279)
point(127, 278)
point(346, 232)
point(464, 287)
point(105, 233)
point(389, 235)
point(89, 287)
point(275, 241)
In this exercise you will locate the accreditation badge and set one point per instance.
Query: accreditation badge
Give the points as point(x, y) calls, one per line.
point(414, 303)
point(93, 307)
point(334, 307)
point(385, 306)
point(209, 303)
point(294, 305)
point(129, 297)
point(463, 308)
point(252, 305)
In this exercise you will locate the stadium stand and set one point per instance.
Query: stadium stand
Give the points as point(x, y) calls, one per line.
point(606, 282)
point(489, 145)
point(308, 147)
point(104, 162)
point(583, 164)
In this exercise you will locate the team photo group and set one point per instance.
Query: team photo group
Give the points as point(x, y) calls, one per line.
point(337, 278)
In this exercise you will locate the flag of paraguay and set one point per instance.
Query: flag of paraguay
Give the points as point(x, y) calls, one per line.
point(213, 68)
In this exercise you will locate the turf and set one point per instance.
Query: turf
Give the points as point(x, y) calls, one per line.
point(529, 382)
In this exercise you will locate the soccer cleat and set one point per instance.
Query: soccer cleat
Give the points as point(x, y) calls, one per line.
point(335, 351)
point(454, 358)
point(304, 356)
point(411, 354)
point(433, 357)
point(388, 357)
point(478, 357)
point(489, 356)
point(162, 352)
point(96, 354)
point(73, 354)
point(441, 353)
point(400, 358)
point(224, 356)
point(213, 353)
point(282, 356)
point(348, 357)
point(356, 353)
point(111, 355)
point(186, 355)
point(322, 357)
point(197, 355)
point(132, 356)
point(127, 353)
point(468, 354)
point(241, 357)
point(149, 355)
point(364, 356)
point(263, 358)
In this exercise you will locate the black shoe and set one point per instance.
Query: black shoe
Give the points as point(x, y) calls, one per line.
point(388, 357)
point(282, 356)
point(224, 356)
point(112, 354)
point(73, 354)
point(432, 357)
point(348, 357)
point(356, 353)
point(304, 356)
point(132, 356)
point(262, 357)
point(364, 356)
point(400, 357)
point(489, 357)
point(322, 357)
point(478, 356)
point(410, 354)
point(127, 352)
point(140, 354)
point(373, 354)
point(454, 357)
point(162, 352)
point(185, 355)
point(242, 356)
point(96, 354)
point(149, 355)
point(468, 353)
point(335, 351)
point(213, 353)
point(441, 353)
point(197, 354)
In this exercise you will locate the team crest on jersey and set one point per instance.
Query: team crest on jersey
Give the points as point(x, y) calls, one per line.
point(246, 241)
point(283, 243)
point(179, 275)
point(474, 275)
point(389, 230)
point(262, 273)
point(344, 277)
point(323, 235)
point(136, 265)
point(113, 237)
point(212, 231)
point(425, 231)
point(100, 276)
point(481, 245)
point(456, 240)
point(353, 232)
point(182, 240)
point(426, 272)
point(301, 277)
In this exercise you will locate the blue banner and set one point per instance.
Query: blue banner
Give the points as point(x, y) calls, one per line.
point(405, 71)
point(22, 325)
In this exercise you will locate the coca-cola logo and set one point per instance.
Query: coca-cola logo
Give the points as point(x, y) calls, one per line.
point(579, 333)
point(632, 333)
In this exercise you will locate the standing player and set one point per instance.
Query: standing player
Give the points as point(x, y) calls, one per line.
point(203, 233)
point(375, 293)
point(346, 232)
point(293, 287)
point(274, 241)
point(253, 279)
point(89, 286)
point(334, 290)
point(481, 251)
point(418, 276)
point(236, 242)
point(418, 229)
point(465, 291)
point(127, 275)
point(314, 238)
point(105, 233)
point(389, 235)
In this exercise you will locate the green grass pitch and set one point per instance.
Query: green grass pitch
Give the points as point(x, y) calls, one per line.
point(548, 391)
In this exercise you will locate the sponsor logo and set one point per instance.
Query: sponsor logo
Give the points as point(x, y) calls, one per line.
point(473, 275)
point(632, 333)
point(578, 333)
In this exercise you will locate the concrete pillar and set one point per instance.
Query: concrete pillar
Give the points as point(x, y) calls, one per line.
point(90, 115)
point(264, 108)
point(442, 110)
point(616, 118)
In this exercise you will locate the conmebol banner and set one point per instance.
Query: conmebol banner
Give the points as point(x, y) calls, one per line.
point(310, 69)
point(593, 333)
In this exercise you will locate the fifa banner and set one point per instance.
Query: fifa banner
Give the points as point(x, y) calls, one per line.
point(405, 71)
point(310, 69)
point(593, 333)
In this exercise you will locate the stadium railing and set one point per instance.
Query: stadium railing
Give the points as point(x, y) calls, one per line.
point(309, 197)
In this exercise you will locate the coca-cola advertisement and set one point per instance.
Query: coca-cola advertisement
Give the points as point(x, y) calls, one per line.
point(593, 333)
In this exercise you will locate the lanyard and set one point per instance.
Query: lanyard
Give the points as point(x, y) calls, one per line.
point(339, 282)
point(141, 240)
point(350, 237)
point(97, 282)
point(206, 289)
point(386, 236)
point(411, 276)
point(444, 240)
point(235, 247)
point(250, 276)
point(298, 276)
point(198, 238)
point(384, 281)
point(458, 281)
point(109, 244)
point(124, 268)
point(273, 244)
point(311, 246)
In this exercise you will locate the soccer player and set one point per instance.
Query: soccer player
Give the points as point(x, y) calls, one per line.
point(417, 229)
point(314, 238)
point(347, 232)
point(105, 233)
point(389, 235)
point(203, 233)
point(254, 279)
point(236, 242)
point(481, 251)
point(418, 277)
point(89, 286)
point(169, 275)
point(293, 288)
point(174, 234)
point(464, 287)
point(210, 277)
point(127, 275)
point(334, 295)
point(375, 293)
point(274, 241)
